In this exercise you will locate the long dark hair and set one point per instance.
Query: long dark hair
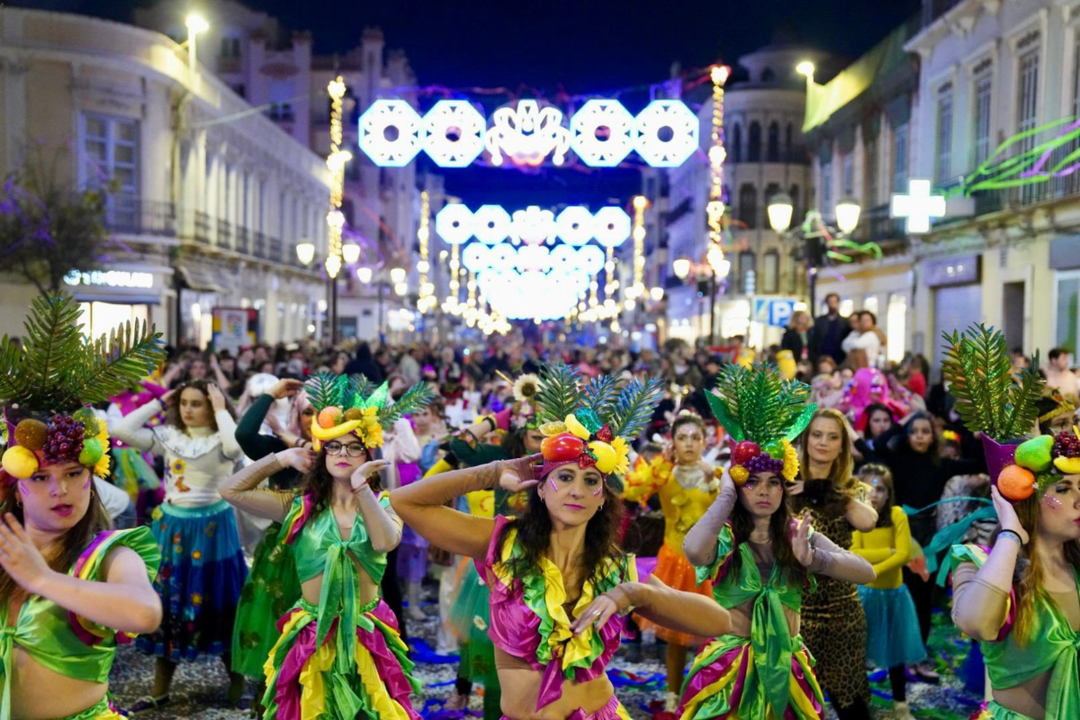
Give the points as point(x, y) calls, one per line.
point(172, 406)
point(868, 472)
point(868, 413)
point(513, 443)
point(742, 524)
point(601, 537)
point(65, 552)
point(935, 446)
point(318, 481)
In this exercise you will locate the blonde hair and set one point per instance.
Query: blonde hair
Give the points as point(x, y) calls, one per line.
point(843, 467)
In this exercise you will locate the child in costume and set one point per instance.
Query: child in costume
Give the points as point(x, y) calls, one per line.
point(71, 589)
point(1019, 597)
point(560, 587)
point(892, 635)
point(339, 654)
point(833, 623)
point(686, 486)
point(760, 562)
point(271, 588)
point(131, 471)
point(203, 567)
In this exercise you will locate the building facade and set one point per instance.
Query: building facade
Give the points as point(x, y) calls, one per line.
point(211, 197)
point(764, 105)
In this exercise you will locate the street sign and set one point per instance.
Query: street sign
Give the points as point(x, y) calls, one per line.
point(774, 311)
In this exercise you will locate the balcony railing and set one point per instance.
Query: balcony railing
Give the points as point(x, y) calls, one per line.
point(202, 227)
point(242, 245)
point(259, 247)
point(275, 249)
point(136, 216)
point(876, 225)
point(224, 233)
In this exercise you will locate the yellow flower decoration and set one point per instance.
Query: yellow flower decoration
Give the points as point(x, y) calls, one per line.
point(622, 456)
point(739, 474)
point(791, 462)
point(101, 467)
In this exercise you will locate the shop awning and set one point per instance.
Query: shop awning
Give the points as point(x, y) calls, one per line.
point(200, 279)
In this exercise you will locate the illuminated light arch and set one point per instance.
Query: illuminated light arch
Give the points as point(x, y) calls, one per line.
point(491, 224)
point(575, 225)
point(453, 133)
point(385, 118)
point(589, 120)
point(611, 226)
point(527, 134)
point(454, 224)
point(674, 117)
point(532, 226)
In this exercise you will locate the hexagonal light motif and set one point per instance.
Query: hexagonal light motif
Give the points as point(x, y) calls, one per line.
point(601, 133)
point(491, 224)
point(390, 133)
point(666, 133)
point(454, 223)
point(611, 226)
point(453, 133)
point(575, 225)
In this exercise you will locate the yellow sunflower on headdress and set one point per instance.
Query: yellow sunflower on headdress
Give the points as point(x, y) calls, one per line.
point(526, 387)
point(791, 462)
point(101, 467)
point(622, 455)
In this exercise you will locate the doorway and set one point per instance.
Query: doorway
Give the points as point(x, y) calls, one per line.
point(1012, 314)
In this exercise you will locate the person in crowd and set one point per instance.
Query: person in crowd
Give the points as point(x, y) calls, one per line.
point(877, 419)
point(686, 486)
point(892, 635)
point(364, 364)
point(761, 560)
point(835, 502)
point(797, 336)
point(132, 469)
point(560, 587)
point(830, 330)
point(339, 651)
point(1059, 374)
point(71, 588)
point(863, 344)
point(203, 567)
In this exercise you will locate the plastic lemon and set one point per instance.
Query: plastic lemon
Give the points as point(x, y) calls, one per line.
point(1067, 465)
point(605, 456)
point(19, 462)
point(574, 427)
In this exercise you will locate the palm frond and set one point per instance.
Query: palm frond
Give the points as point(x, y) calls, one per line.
point(414, 398)
point(1024, 411)
point(53, 342)
point(601, 395)
point(559, 393)
point(12, 383)
point(634, 408)
point(322, 391)
point(110, 366)
point(361, 386)
point(758, 404)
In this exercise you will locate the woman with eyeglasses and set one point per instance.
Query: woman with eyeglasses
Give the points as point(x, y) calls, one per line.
point(339, 653)
point(202, 564)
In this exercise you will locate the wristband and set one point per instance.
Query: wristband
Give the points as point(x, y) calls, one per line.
point(1013, 533)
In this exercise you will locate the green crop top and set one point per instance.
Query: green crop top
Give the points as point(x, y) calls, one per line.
point(62, 641)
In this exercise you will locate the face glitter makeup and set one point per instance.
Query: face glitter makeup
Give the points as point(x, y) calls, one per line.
point(554, 487)
point(23, 489)
point(89, 479)
point(1051, 502)
point(599, 491)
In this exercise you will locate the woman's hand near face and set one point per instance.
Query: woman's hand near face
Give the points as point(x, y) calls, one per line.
point(800, 544)
point(20, 558)
point(217, 399)
point(517, 475)
point(362, 474)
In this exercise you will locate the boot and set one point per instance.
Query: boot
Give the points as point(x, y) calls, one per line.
point(901, 711)
point(412, 595)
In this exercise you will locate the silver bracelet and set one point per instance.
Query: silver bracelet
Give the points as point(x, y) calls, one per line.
point(1011, 533)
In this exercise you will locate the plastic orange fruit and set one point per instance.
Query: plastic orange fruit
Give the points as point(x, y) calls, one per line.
point(1016, 483)
point(328, 417)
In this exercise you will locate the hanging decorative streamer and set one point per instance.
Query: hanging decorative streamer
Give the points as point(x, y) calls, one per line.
point(1028, 167)
point(717, 156)
point(637, 291)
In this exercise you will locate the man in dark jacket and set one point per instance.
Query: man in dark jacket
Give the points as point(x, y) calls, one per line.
point(829, 332)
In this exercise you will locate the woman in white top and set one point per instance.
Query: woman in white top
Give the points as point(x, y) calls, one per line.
point(202, 565)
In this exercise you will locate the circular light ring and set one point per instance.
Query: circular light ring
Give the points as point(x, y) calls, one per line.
point(612, 226)
point(476, 257)
point(503, 258)
point(383, 115)
point(592, 116)
point(444, 116)
point(575, 225)
point(590, 259)
point(682, 123)
point(491, 224)
point(454, 223)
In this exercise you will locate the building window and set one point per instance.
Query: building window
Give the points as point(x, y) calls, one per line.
point(789, 149)
point(280, 94)
point(110, 154)
point(770, 272)
point(754, 152)
point(849, 174)
point(747, 274)
point(982, 117)
point(1067, 310)
point(826, 187)
point(736, 143)
point(230, 47)
point(896, 327)
point(796, 203)
point(772, 150)
point(872, 173)
point(1027, 99)
point(943, 169)
point(748, 205)
point(900, 159)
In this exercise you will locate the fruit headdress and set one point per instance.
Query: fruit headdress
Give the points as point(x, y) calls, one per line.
point(592, 425)
point(46, 385)
point(353, 404)
point(523, 411)
point(763, 413)
point(1004, 408)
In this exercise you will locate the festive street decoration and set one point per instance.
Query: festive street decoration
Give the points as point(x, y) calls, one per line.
point(918, 206)
point(717, 155)
point(1054, 158)
point(491, 224)
point(336, 160)
point(427, 299)
point(602, 133)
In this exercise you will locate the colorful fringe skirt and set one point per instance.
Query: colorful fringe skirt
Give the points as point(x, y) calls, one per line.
point(132, 474)
point(990, 710)
point(304, 682)
point(892, 627)
point(271, 589)
point(613, 710)
point(724, 682)
point(675, 571)
point(201, 576)
point(470, 616)
point(104, 709)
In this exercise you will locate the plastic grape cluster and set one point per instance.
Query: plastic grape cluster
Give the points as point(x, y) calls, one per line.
point(64, 440)
point(1066, 444)
point(764, 464)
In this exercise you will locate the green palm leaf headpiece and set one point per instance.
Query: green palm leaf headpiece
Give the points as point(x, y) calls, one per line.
point(352, 404)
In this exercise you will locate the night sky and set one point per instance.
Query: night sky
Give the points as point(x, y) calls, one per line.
point(576, 46)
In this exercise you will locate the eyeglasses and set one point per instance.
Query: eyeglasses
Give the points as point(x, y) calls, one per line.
point(353, 449)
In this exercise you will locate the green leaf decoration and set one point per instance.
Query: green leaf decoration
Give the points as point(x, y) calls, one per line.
point(801, 422)
point(634, 408)
point(980, 374)
point(590, 420)
point(60, 369)
point(378, 398)
point(361, 387)
point(322, 391)
point(559, 393)
point(601, 394)
point(414, 398)
point(758, 404)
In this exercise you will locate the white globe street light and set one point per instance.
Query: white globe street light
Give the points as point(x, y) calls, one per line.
point(305, 253)
point(847, 215)
point(681, 268)
point(397, 276)
point(350, 252)
point(780, 210)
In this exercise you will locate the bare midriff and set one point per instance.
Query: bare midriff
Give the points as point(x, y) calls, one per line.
point(311, 589)
point(520, 704)
point(65, 696)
